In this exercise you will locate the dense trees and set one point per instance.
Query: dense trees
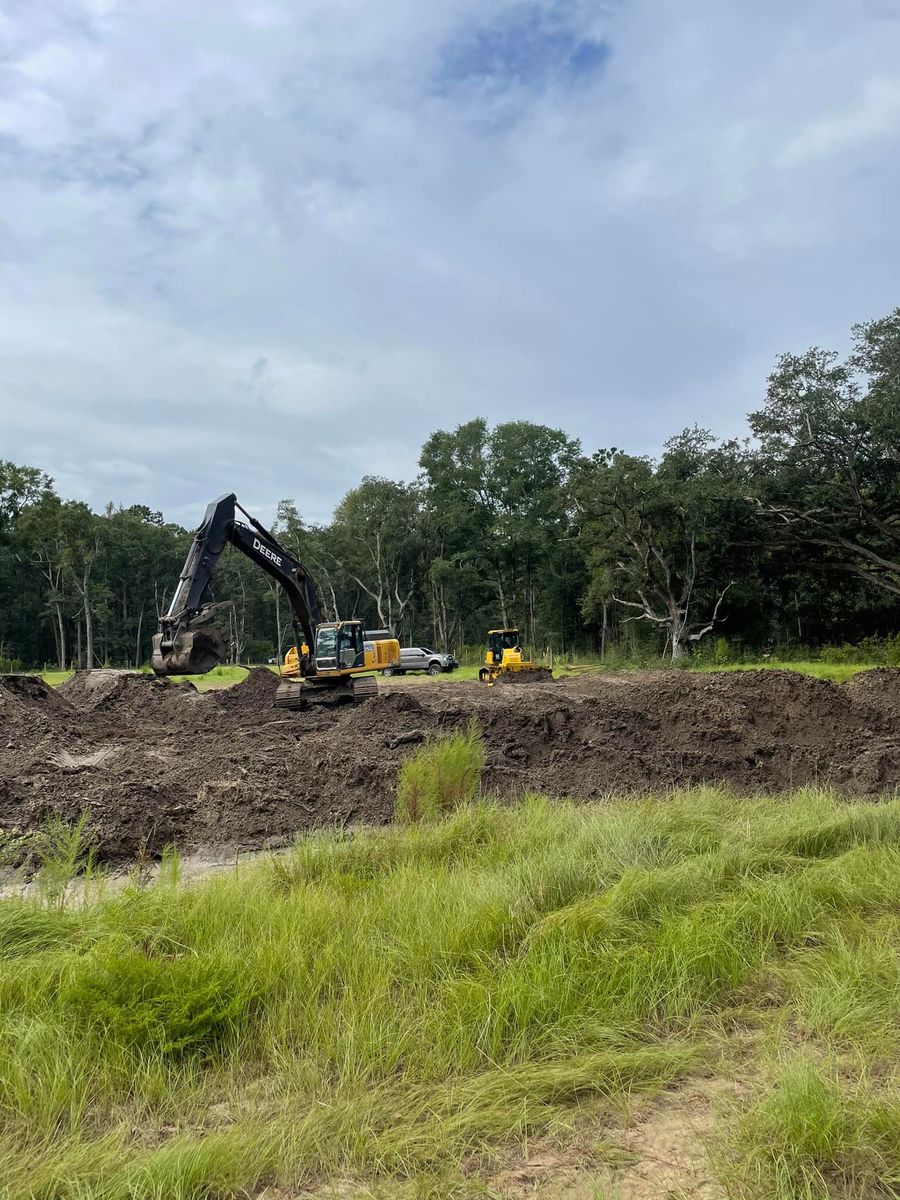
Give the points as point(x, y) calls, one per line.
point(666, 541)
point(794, 536)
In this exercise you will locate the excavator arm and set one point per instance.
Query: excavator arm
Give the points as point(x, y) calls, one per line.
point(186, 643)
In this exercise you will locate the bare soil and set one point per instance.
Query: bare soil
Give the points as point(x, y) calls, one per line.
point(155, 761)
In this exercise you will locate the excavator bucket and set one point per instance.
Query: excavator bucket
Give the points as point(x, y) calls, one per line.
point(191, 653)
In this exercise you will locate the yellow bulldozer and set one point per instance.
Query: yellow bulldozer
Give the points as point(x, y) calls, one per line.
point(505, 660)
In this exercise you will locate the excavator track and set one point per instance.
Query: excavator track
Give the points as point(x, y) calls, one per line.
point(300, 693)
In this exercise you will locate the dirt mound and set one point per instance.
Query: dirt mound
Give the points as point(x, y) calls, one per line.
point(878, 688)
point(155, 761)
point(254, 692)
point(535, 675)
point(31, 713)
point(121, 692)
point(30, 691)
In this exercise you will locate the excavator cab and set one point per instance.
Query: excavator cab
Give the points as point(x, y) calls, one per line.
point(340, 646)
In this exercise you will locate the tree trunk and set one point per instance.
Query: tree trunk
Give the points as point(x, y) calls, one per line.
point(88, 621)
point(137, 641)
point(603, 632)
point(501, 596)
point(676, 633)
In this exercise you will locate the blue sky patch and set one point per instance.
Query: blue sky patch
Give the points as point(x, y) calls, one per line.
point(524, 48)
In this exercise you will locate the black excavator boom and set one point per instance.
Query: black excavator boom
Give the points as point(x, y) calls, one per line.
point(187, 644)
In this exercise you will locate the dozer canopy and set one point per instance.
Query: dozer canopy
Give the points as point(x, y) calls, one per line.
point(191, 652)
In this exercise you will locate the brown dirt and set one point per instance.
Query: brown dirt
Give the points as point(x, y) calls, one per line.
point(880, 688)
point(155, 761)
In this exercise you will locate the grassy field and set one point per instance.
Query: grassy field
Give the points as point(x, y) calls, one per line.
point(225, 676)
point(836, 672)
point(399, 1009)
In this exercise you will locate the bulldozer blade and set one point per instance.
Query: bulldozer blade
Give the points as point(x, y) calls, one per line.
point(192, 653)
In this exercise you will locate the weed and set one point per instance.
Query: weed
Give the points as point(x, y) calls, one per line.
point(164, 1005)
point(440, 776)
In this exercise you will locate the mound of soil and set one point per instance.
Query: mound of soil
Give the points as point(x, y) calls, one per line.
point(155, 761)
point(256, 691)
point(89, 691)
point(878, 688)
point(31, 712)
point(515, 678)
point(30, 692)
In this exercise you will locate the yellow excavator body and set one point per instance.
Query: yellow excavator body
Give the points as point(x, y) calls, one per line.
point(346, 656)
point(291, 664)
point(505, 657)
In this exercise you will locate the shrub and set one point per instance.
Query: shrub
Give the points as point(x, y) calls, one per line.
point(441, 775)
point(171, 1006)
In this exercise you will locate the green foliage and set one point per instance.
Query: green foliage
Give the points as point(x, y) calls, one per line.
point(440, 776)
point(164, 1005)
point(666, 540)
point(51, 856)
point(26, 928)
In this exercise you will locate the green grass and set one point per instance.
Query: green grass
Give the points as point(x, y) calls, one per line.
point(225, 676)
point(440, 776)
point(836, 672)
point(394, 1005)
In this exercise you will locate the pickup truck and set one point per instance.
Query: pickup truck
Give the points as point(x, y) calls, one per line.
point(420, 658)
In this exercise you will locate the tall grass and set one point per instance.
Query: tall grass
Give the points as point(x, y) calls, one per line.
point(441, 775)
point(389, 1003)
point(814, 1134)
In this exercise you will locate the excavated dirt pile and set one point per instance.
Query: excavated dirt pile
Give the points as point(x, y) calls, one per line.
point(155, 761)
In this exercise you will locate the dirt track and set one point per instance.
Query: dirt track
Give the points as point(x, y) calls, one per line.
point(154, 761)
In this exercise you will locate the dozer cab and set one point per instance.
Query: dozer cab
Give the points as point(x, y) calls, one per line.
point(505, 659)
point(344, 654)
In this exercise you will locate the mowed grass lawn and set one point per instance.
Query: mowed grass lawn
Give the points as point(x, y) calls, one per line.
point(392, 1008)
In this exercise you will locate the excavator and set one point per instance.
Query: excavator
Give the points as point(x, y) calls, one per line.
point(505, 660)
point(332, 661)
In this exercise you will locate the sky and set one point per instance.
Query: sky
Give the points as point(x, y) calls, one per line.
point(270, 246)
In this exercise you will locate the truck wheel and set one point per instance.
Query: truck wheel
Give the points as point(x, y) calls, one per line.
point(387, 671)
point(434, 668)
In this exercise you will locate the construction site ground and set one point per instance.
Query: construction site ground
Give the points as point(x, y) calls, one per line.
point(155, 762)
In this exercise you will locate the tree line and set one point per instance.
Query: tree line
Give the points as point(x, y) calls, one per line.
point(788, 535)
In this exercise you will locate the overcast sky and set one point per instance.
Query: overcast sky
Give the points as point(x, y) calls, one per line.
point(271, 245)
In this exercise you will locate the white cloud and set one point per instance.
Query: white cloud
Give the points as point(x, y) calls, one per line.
point(269, 247)
point(874, 115)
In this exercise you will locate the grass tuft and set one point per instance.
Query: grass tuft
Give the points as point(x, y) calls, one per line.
point(440, 776)
point(815, 1134)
